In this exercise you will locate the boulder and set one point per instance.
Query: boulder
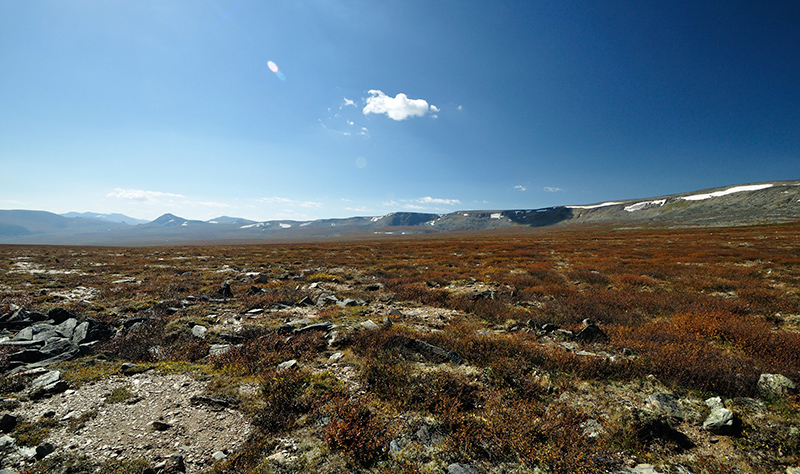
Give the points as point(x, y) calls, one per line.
point(775, 386)
point(591, 333)
point(48, 383)
point(59, 315)
point(721, 420)
point(288, 365)
point(459, 468)
point(199, 331)
point(225, 290)
point(8, 422)
point(667, 404)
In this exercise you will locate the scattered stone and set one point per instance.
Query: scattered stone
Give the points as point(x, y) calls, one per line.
point(458, 468)
point(8, 423)
point(43, 450)
point(657, 428)
point(288, 365)
point(7, 442)
point(306, 301)
point(431, 352)
point(158, 425)
point(720, 421)
point(199, 331)
point(592, 429)
point(218, 349)
point(175, 464)
point(789, 470)
point(324, 327)
point(591, 333)
point(775, 386)
point(48, 383)
point(59, 315)
point(129, 368)
point(254, 290)
point(225, 290)
point(640, 469)
point(666, 403)
point(219, 456)
point(335, 357)
point(369, 324)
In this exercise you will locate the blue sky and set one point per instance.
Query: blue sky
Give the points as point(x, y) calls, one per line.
point(152, 106)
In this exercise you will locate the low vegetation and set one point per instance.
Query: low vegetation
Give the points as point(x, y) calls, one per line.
point(693, 312)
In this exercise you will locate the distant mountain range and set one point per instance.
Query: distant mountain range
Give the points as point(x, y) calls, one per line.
point(749, 204)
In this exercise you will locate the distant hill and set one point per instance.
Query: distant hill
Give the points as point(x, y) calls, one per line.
point(114, 217)
point(749, 204)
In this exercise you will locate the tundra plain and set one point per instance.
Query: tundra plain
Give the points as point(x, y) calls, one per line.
point(591, 349)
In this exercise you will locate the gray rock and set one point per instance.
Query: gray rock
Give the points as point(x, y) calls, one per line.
point(45, 380)
point(219, 349)
point(129, 368)
point(174, 464)
point(458, 468)
point(44, 332)
point(27, 452)
point(158, 425)
point(592, 429)
point(225, 290)
point(431, 352)
point(199, 331)
point(67, 328)
point(775, 386)
point(59, 345)
point(25, 334)
point(714, 403)
point(7, 442)
point(8, 470)
point(219, 456)
point(80, 332)
point(789, 470)
point(369, 324)
point(288, 365)
point(335, 357)
point(640, 469)
point(720, 421)
point(59, 315)
point(666, 403)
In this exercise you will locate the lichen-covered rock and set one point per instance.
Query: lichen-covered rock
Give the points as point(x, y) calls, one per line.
point(775, 386)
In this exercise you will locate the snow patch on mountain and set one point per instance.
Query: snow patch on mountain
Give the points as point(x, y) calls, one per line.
point(595, 206)
point(645, 204)
point(735, 189)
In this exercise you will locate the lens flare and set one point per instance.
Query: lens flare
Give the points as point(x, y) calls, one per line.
point(274, 68)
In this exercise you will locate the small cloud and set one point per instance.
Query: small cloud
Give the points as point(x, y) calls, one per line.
point(460, 108)
point(520, 187)
point(347, 103)
point(413, 207)
point(430, 200)
point(551, 189)
point(398, 108)
point(141, 195)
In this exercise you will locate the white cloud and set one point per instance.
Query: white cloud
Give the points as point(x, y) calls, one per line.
point(430, 200)
point(399, 107)
point(520, 187)
point(551, 189)
point(348, 103)
point(140, 195)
